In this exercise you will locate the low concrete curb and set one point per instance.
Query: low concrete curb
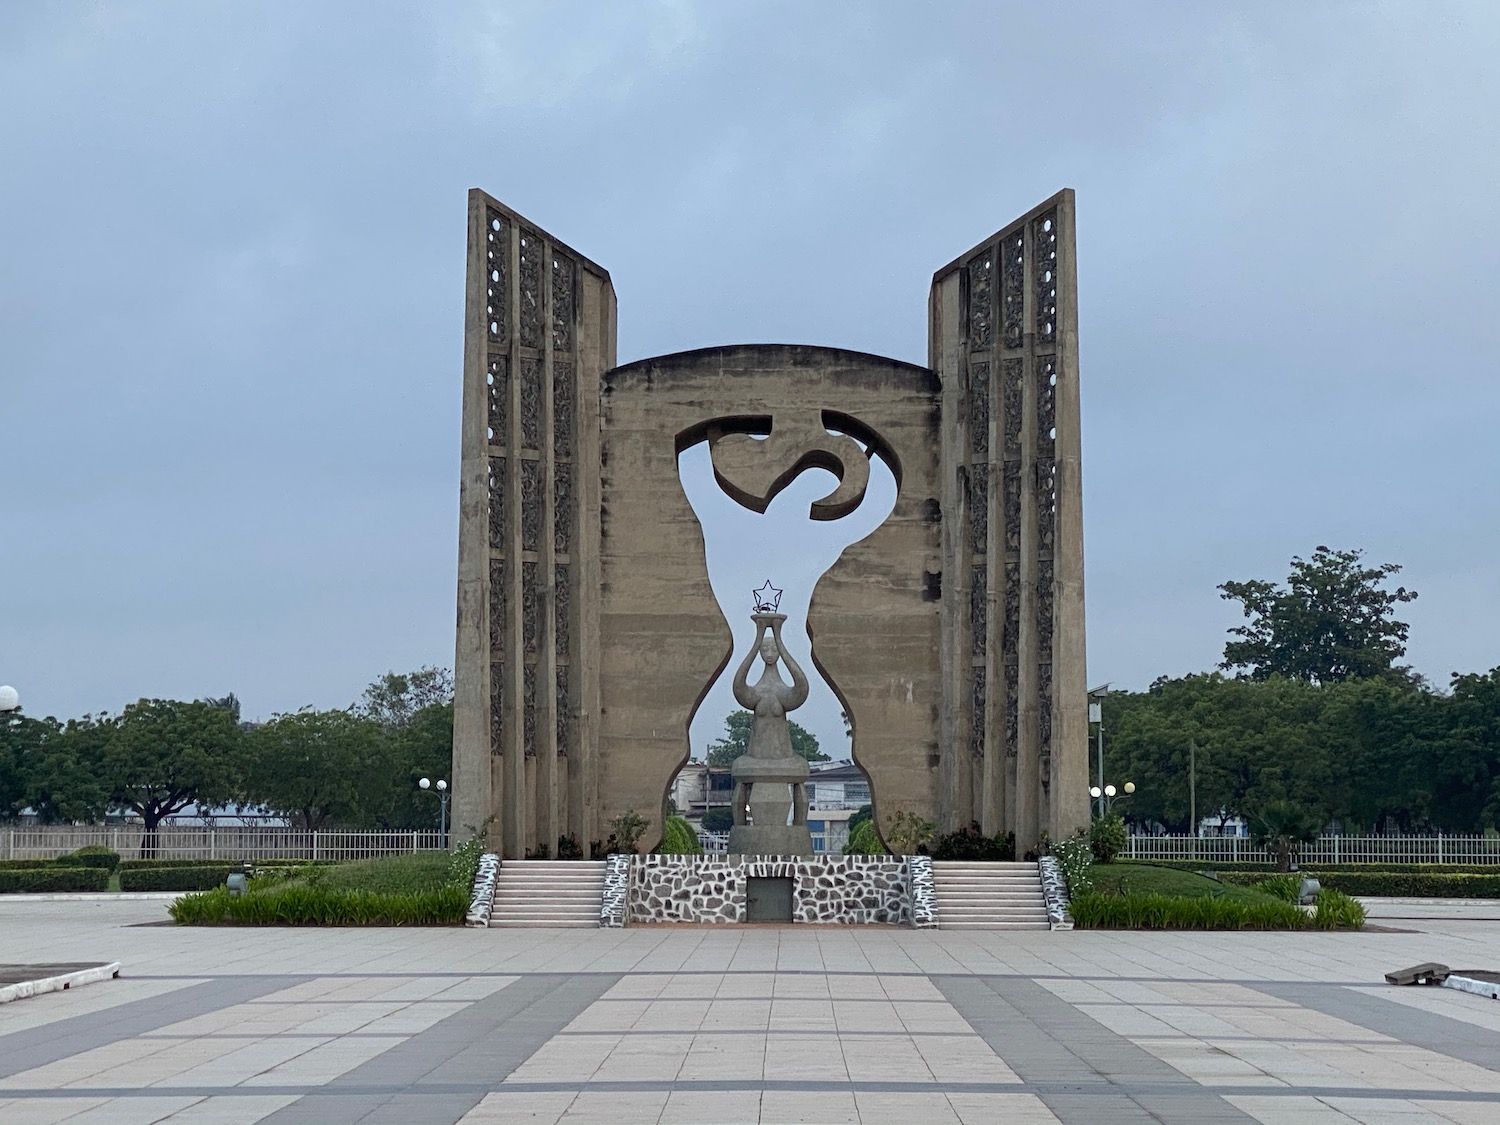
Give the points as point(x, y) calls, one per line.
point(22, 989)
point(101, 896)
point(1488, 989)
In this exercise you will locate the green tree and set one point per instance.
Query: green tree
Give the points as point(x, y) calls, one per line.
point(317, 767)
point(395, 699)
point(24, 746)
point(1466, 757)
point(423, 747)
point(1282, 827)
point(720, 818)
point(162, 755)
point(65, 780)
point(736, 741)
point(1332, 621)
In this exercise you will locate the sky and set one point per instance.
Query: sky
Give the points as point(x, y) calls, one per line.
point(231, 290)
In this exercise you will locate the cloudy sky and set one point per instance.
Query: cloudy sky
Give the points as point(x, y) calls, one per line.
point(231, 271)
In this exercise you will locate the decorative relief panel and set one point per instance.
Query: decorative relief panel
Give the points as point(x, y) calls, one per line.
point(1044, 722)
point(528, 710)
point(1044, 609)
point(1012, 708)
point(978, 608)
point(1046, 404)
point(976, 724)
point(1013, 288)
point(531, 505)
point(497, 707)
point(1010, 500)
point(562, 507)
point(979, 410)
point(531, 624)
point(497, 260)
point(981, 301)
point(563, 706)
point(499, 603)
point(1044, 270)
point(564, 391)
point(562, 599)
point(563, 271)
point(498, 382)
point(531, 403)
point(1010, 626)
point(1046, 504)
point(1012, 373)
point(531, 290)
point(499, 484)
point(979, 508)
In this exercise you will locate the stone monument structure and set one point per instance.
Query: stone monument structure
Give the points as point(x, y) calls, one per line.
point(768, 778)
point(588, 634)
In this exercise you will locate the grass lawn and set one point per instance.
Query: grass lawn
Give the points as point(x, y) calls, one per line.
point(397, 874)
point(1143, 878)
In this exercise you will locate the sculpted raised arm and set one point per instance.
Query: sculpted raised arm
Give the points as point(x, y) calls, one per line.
point(796, 695)
point(742, 693)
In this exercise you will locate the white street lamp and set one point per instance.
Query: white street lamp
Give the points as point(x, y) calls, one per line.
point(442, 793)
point(10, 699)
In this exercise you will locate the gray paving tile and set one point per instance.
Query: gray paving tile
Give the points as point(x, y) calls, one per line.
point(61, 1039)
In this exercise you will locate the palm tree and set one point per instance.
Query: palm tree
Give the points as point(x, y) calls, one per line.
point(1282, 827)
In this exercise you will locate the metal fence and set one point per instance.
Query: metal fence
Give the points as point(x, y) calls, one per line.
point(1328, 849)
point(217, 842)
point(824, 843)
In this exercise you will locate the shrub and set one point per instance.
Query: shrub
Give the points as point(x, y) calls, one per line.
point(1402, 885)
point(568, 847)
point(718, 819)
point(972, 844)
point(864, 840)
point(1282, 827)
point(463, 863)
point(1159, 912)
point(94, 855)
point(25, 864)
point(298, 905)
point(678, 838)
point(49, 878)
point(1285, 887)
point(625, 832)
point(909, 834)
point(1075, 856)
point(392, 874)
point(1334, 910)
point(199, 878)
point(1107, 837)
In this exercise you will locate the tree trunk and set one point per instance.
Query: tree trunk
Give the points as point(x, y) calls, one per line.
point(148, 838)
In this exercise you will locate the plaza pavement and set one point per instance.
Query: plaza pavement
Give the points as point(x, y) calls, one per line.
point(769, 1024)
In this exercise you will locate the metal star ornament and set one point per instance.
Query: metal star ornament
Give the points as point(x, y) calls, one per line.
point(767, 598)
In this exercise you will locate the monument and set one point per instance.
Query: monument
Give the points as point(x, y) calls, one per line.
point(769, 780)
point(952, 635)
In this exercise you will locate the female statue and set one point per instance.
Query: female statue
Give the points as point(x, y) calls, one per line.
point(768, 777)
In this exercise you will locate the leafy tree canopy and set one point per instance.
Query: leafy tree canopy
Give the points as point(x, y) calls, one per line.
point(736, 741)
point(319, 767)
point(395, 698)
point(1332, 621)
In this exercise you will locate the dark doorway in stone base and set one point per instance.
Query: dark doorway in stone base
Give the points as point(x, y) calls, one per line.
point(768, 899)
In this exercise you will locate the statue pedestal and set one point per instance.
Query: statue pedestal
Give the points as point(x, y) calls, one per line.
point(772, 784)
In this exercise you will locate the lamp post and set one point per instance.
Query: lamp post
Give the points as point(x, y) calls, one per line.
point(442, 795)
point(1096, 715)
point(1106, 795)
point(10, 700)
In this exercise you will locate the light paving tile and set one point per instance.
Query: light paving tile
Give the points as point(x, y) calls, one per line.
point(1009, 1109)
point(230, 1110)
point(1385, 1111)
point(44, 1111)
point(85, 1064)
point(615, 1108)
point(515, 1107)
point(796, 1107)
point(132, 1111)
point(722, 1107)
point(904, 1108)
point(962, 1058)
point(323, 1063)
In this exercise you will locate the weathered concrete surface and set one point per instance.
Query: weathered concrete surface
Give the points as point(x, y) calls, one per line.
point(874, 616)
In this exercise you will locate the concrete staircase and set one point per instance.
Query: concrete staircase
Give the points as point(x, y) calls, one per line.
point(988, 896)
point(548, 892)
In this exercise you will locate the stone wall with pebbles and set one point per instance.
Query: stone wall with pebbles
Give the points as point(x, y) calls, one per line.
point(1055, 891)
point(838, 890)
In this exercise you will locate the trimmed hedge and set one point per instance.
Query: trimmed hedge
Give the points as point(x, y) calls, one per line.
point(50, 879)
point(299, 905)
point(93, 855)
point(1270, 868)
point(147, 864)
point(25, 864)
point(1392, 884)
point(200, 878)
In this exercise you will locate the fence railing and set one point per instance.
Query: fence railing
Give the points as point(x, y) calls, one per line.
point(217, 842)
point(1328, 849)
point(824, 843)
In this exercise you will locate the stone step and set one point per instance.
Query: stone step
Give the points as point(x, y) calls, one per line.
point(941, 865)
point(544, 893)
point(972, 912)
point(1042, 925)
